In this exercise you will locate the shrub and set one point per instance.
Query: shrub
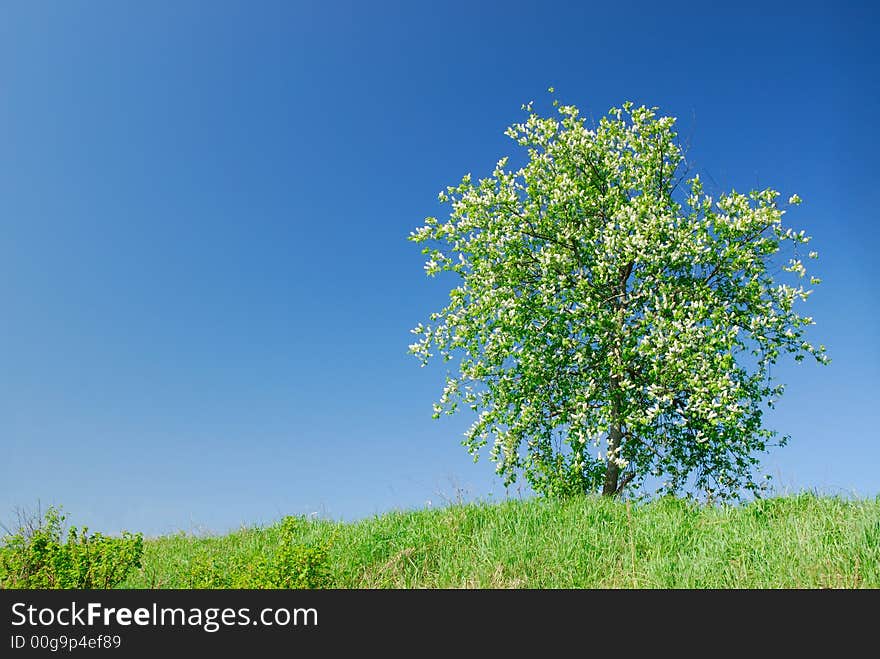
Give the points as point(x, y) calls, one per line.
point(291, 565)
point(38, 556)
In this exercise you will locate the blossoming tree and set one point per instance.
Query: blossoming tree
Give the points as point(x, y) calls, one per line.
point(611, 320)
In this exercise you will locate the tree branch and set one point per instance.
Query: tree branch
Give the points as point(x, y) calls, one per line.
point(627, 477)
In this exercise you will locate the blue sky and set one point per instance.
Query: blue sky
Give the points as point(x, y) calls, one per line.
point(206, 285)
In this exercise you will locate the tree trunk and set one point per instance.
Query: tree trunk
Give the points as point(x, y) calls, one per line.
point(615, 434)
point(612, 471)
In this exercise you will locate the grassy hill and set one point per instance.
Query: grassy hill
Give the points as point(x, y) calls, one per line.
point(804, 541)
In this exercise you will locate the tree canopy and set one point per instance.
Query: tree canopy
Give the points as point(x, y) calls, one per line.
point(611, 320)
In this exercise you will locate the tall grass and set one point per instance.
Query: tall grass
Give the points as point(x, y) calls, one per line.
point(803, 541)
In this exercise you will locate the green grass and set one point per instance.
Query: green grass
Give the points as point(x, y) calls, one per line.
point(803, 541)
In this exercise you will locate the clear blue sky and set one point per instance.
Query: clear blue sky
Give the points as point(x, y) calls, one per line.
point(205, 280)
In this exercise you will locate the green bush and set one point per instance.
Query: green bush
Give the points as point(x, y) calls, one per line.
point(38, 556)
point(291, 565)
